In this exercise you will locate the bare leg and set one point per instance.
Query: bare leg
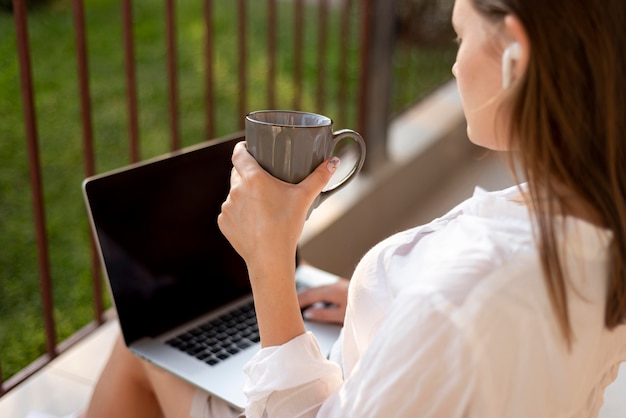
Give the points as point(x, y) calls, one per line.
point(130, 387)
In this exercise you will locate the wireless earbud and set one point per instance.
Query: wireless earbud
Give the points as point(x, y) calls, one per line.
point(511, 53)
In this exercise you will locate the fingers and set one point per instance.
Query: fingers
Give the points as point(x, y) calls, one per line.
point(280, 208)
point(319, 178)
point(247, 167)
point(332, 314)
point(242, 160)
point(325, 303)
point(326, 294)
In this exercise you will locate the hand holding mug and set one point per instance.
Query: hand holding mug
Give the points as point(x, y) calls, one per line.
point(262, 216)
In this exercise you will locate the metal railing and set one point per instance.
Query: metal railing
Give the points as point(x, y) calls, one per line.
point(369, 24)
point(369, 74)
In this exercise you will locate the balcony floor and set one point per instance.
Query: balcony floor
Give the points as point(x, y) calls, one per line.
point(65, 385)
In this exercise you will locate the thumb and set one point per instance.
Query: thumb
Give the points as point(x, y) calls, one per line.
point(317, 180)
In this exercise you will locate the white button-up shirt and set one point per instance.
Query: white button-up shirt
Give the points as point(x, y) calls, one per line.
point(452, 319)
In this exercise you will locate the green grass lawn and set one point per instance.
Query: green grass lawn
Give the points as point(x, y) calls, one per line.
point(58, 115)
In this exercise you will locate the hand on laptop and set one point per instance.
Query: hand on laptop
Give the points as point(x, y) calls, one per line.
point(325, 303)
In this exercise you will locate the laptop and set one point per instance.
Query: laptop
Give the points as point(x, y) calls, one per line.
point(181, 292)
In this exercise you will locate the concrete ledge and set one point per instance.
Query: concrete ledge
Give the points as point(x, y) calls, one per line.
point(65, 385)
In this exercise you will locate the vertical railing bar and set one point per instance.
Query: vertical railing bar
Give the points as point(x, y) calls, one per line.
point(172, 76)
point(131, 79)
point(376, 83)
point(209, 98)
point(271, 53)
point(83, 84)
point(242, 47)
point(87, 129)
point(322, 33)
point(342, 90)
point(366, 15)
point(30, 120)
point(298, 46)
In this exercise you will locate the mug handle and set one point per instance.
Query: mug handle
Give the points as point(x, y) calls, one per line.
point(338, 136)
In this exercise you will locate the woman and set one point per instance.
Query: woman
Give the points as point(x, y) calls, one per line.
point(510, 305)
point(513, 303)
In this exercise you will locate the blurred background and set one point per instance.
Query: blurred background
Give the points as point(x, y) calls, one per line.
point(88, 86)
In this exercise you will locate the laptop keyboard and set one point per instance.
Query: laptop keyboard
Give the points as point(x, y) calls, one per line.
point(220, 338)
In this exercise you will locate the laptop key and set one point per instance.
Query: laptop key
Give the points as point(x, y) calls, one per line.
point(244, 344)
point(203, 355)
point(211, 361)
point(220, 337)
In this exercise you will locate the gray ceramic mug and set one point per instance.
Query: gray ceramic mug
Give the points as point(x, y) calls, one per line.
point(290, 145)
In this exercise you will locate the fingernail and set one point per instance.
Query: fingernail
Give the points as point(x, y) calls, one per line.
point(307, 314)
point(332, 165)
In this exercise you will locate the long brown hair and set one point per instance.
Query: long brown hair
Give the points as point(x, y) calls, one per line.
point(569, 126)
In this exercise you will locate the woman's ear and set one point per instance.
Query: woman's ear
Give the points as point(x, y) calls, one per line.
point(516, 51)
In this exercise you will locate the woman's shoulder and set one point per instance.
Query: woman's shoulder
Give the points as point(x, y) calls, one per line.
point(464, 244)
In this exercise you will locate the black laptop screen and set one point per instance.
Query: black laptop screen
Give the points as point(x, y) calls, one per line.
point(166, 259)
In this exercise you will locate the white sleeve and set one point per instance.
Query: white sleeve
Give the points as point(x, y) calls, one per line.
point(291, 380)
point(418, 365)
